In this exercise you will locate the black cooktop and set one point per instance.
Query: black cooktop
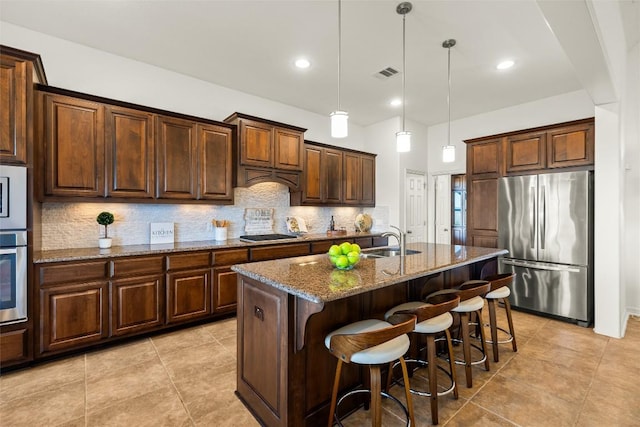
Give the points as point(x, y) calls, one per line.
point(265, 237)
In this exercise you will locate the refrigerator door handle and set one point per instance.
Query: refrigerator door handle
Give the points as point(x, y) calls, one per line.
point(543, 216)
point(533, 220)
point(540, 266)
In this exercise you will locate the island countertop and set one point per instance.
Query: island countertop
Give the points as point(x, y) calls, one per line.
point(314, 278)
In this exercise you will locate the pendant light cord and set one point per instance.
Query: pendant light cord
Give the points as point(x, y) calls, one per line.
point(339, 49)
point(449, 97)
point(404, 66)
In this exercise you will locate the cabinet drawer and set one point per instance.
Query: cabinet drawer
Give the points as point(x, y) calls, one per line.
point(364, 242)
point(279, 251)
point(130, 266)
point(231, 257)
point(188, 260)
point(13, 346)
point(321, 247)
point(75, 272)
point(380, 241)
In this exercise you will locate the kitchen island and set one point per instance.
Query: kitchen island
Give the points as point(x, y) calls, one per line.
point(286, 308)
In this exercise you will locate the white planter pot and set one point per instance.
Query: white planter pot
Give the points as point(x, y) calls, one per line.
point(104, 242)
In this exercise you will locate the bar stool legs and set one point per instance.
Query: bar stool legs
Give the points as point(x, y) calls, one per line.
point(466, 346)
point(500, 292)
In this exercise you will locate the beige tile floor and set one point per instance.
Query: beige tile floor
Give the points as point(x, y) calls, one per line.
point(562, 375)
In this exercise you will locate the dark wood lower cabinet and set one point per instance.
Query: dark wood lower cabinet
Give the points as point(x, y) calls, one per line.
point(225, 295)
point(137, 304)
point(188, 295)
point(14, 346)
point(73, 315)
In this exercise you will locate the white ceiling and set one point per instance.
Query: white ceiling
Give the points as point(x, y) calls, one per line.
point(250, 46)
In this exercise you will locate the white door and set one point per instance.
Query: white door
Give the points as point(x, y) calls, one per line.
point(416, 207)
point(443, 208)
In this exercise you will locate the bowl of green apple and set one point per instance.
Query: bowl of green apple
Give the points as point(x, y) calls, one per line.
point(344, 256)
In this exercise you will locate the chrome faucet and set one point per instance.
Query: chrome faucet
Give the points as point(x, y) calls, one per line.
point(400, 236)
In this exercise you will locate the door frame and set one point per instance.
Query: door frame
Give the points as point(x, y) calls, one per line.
point(426, 194)
point(435, 205)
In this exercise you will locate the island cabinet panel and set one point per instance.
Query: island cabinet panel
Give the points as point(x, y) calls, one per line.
point(525, 152)
point(188, 295)
point(263, 351)
point(14, 77)
point(73, 130)
point(137, 304)
point(571, 146)
point(262, 253)
point(130, 148)
point(215, 163)
point(177, 158)
point(73, 316)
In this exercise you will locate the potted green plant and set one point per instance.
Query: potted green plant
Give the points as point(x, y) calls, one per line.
point(106, 219)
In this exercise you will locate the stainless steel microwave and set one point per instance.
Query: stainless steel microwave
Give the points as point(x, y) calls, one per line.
point(13, 197)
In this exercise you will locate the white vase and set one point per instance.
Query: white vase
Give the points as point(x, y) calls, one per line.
point(104, 242)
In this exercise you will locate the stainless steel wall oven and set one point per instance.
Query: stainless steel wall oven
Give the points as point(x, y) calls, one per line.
point(13, 276)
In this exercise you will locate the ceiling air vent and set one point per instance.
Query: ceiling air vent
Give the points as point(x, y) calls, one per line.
point(386, 73)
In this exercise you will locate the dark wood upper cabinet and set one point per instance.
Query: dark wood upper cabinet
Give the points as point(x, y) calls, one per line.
point(571, 146)
point(18, 72)
point(176, 158)
point(335, 177)
point(13, 110)
point(525, 152)
point(267, 151)
point(130, 153)
point(94, 147)
point(74, 146)
point(215, 163)
point(359, 179)
point(483, 157)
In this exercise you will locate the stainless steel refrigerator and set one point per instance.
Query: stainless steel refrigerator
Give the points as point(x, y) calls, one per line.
point(546, 223)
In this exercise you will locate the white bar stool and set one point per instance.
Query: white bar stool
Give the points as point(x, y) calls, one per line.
point(433, 318)
point(372, 342)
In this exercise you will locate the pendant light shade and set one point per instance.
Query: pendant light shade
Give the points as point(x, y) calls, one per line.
point(403, 141)
point(339, 124)
point(339, 118)
point(403, 138)
point(449, 151)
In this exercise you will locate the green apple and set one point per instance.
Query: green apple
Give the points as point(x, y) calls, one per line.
point(345, 248)
point(335, 250)
point(355, 247)
point(342, 261)
point(353, 257)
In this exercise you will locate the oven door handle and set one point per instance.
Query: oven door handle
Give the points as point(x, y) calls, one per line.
point(8, 251)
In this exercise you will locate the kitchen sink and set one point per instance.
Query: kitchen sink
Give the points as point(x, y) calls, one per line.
point(385, 252)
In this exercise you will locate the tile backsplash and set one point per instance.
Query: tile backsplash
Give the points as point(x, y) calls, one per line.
point(73, 225)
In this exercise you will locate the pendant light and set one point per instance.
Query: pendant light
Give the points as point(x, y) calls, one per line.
point(403, 138)
point(339, 118)
point(449, 151)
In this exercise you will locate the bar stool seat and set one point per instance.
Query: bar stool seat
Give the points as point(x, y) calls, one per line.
point(470, 305)
point(373, 343)
point(500, 292)
point(433, 318)
point(382, 353)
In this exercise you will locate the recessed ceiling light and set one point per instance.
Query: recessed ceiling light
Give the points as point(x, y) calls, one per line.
point(302, 63)
point(505, 64)
point(396, 102)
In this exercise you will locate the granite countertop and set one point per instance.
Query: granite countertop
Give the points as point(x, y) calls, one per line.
point(79, 254)
point(313, 277)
